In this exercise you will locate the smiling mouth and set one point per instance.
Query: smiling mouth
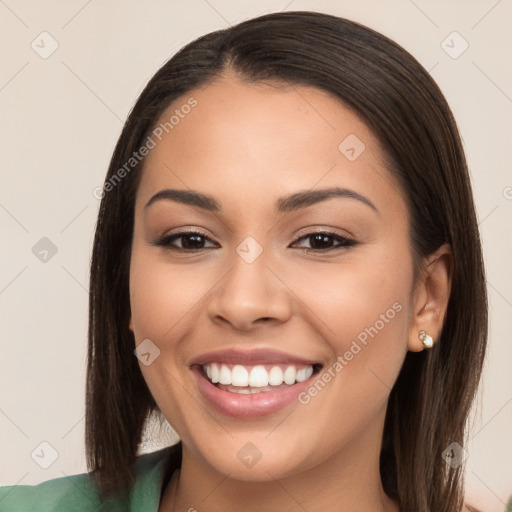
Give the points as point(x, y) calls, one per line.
point(247, 379)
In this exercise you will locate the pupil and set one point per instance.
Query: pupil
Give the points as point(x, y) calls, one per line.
point(195, 244)
point(195, 241)
point(322, 238)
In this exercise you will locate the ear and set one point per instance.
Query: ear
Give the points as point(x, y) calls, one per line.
point(431, 295)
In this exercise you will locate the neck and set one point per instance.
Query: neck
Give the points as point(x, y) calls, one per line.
point(349, 480)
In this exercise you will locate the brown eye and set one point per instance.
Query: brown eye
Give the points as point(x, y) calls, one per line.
point(324, 241)
point(190, 241)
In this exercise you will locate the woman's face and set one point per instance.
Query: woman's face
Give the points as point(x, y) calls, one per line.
point(257, 297)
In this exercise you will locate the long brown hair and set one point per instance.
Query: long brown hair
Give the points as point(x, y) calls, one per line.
point(431, 399)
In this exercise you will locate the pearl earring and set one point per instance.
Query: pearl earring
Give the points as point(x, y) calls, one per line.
point(427, 340)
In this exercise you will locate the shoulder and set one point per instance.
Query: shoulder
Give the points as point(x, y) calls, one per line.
point(74, 491)
point(79, 492)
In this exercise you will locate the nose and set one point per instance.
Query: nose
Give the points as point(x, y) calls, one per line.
point(250, 294)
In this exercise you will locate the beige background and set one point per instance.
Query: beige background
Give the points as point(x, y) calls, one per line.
point(60, 118)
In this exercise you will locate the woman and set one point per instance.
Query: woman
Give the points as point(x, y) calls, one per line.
point(287, 242)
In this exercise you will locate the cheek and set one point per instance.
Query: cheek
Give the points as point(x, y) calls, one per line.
point(164, 300)
point(364, 293)
point(362, 309)
point(163, 295)
point(363, 312)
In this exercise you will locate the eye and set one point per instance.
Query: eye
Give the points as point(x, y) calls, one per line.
point(322, 241)
point(190, 241)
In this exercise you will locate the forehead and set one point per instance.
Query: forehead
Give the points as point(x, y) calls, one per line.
point(264, 140)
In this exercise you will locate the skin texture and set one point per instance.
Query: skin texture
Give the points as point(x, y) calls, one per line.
point(248, 144)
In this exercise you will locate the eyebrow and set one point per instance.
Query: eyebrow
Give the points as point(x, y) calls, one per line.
point(285, 204)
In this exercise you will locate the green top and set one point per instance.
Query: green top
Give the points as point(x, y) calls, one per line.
point(78, 493)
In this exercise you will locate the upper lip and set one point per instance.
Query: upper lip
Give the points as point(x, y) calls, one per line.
point(251, 357)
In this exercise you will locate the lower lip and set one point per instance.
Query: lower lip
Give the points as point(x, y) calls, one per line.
point(248, 406)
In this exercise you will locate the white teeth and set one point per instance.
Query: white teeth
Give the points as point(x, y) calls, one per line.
point(224, 375)
point(275, 376)
point(215, 372)
point(239, 376)
point(256, 377)
point(304, 374)
point(301, 375)
point(289, 375)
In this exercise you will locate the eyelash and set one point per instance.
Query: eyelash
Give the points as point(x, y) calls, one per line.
point(166, 240)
